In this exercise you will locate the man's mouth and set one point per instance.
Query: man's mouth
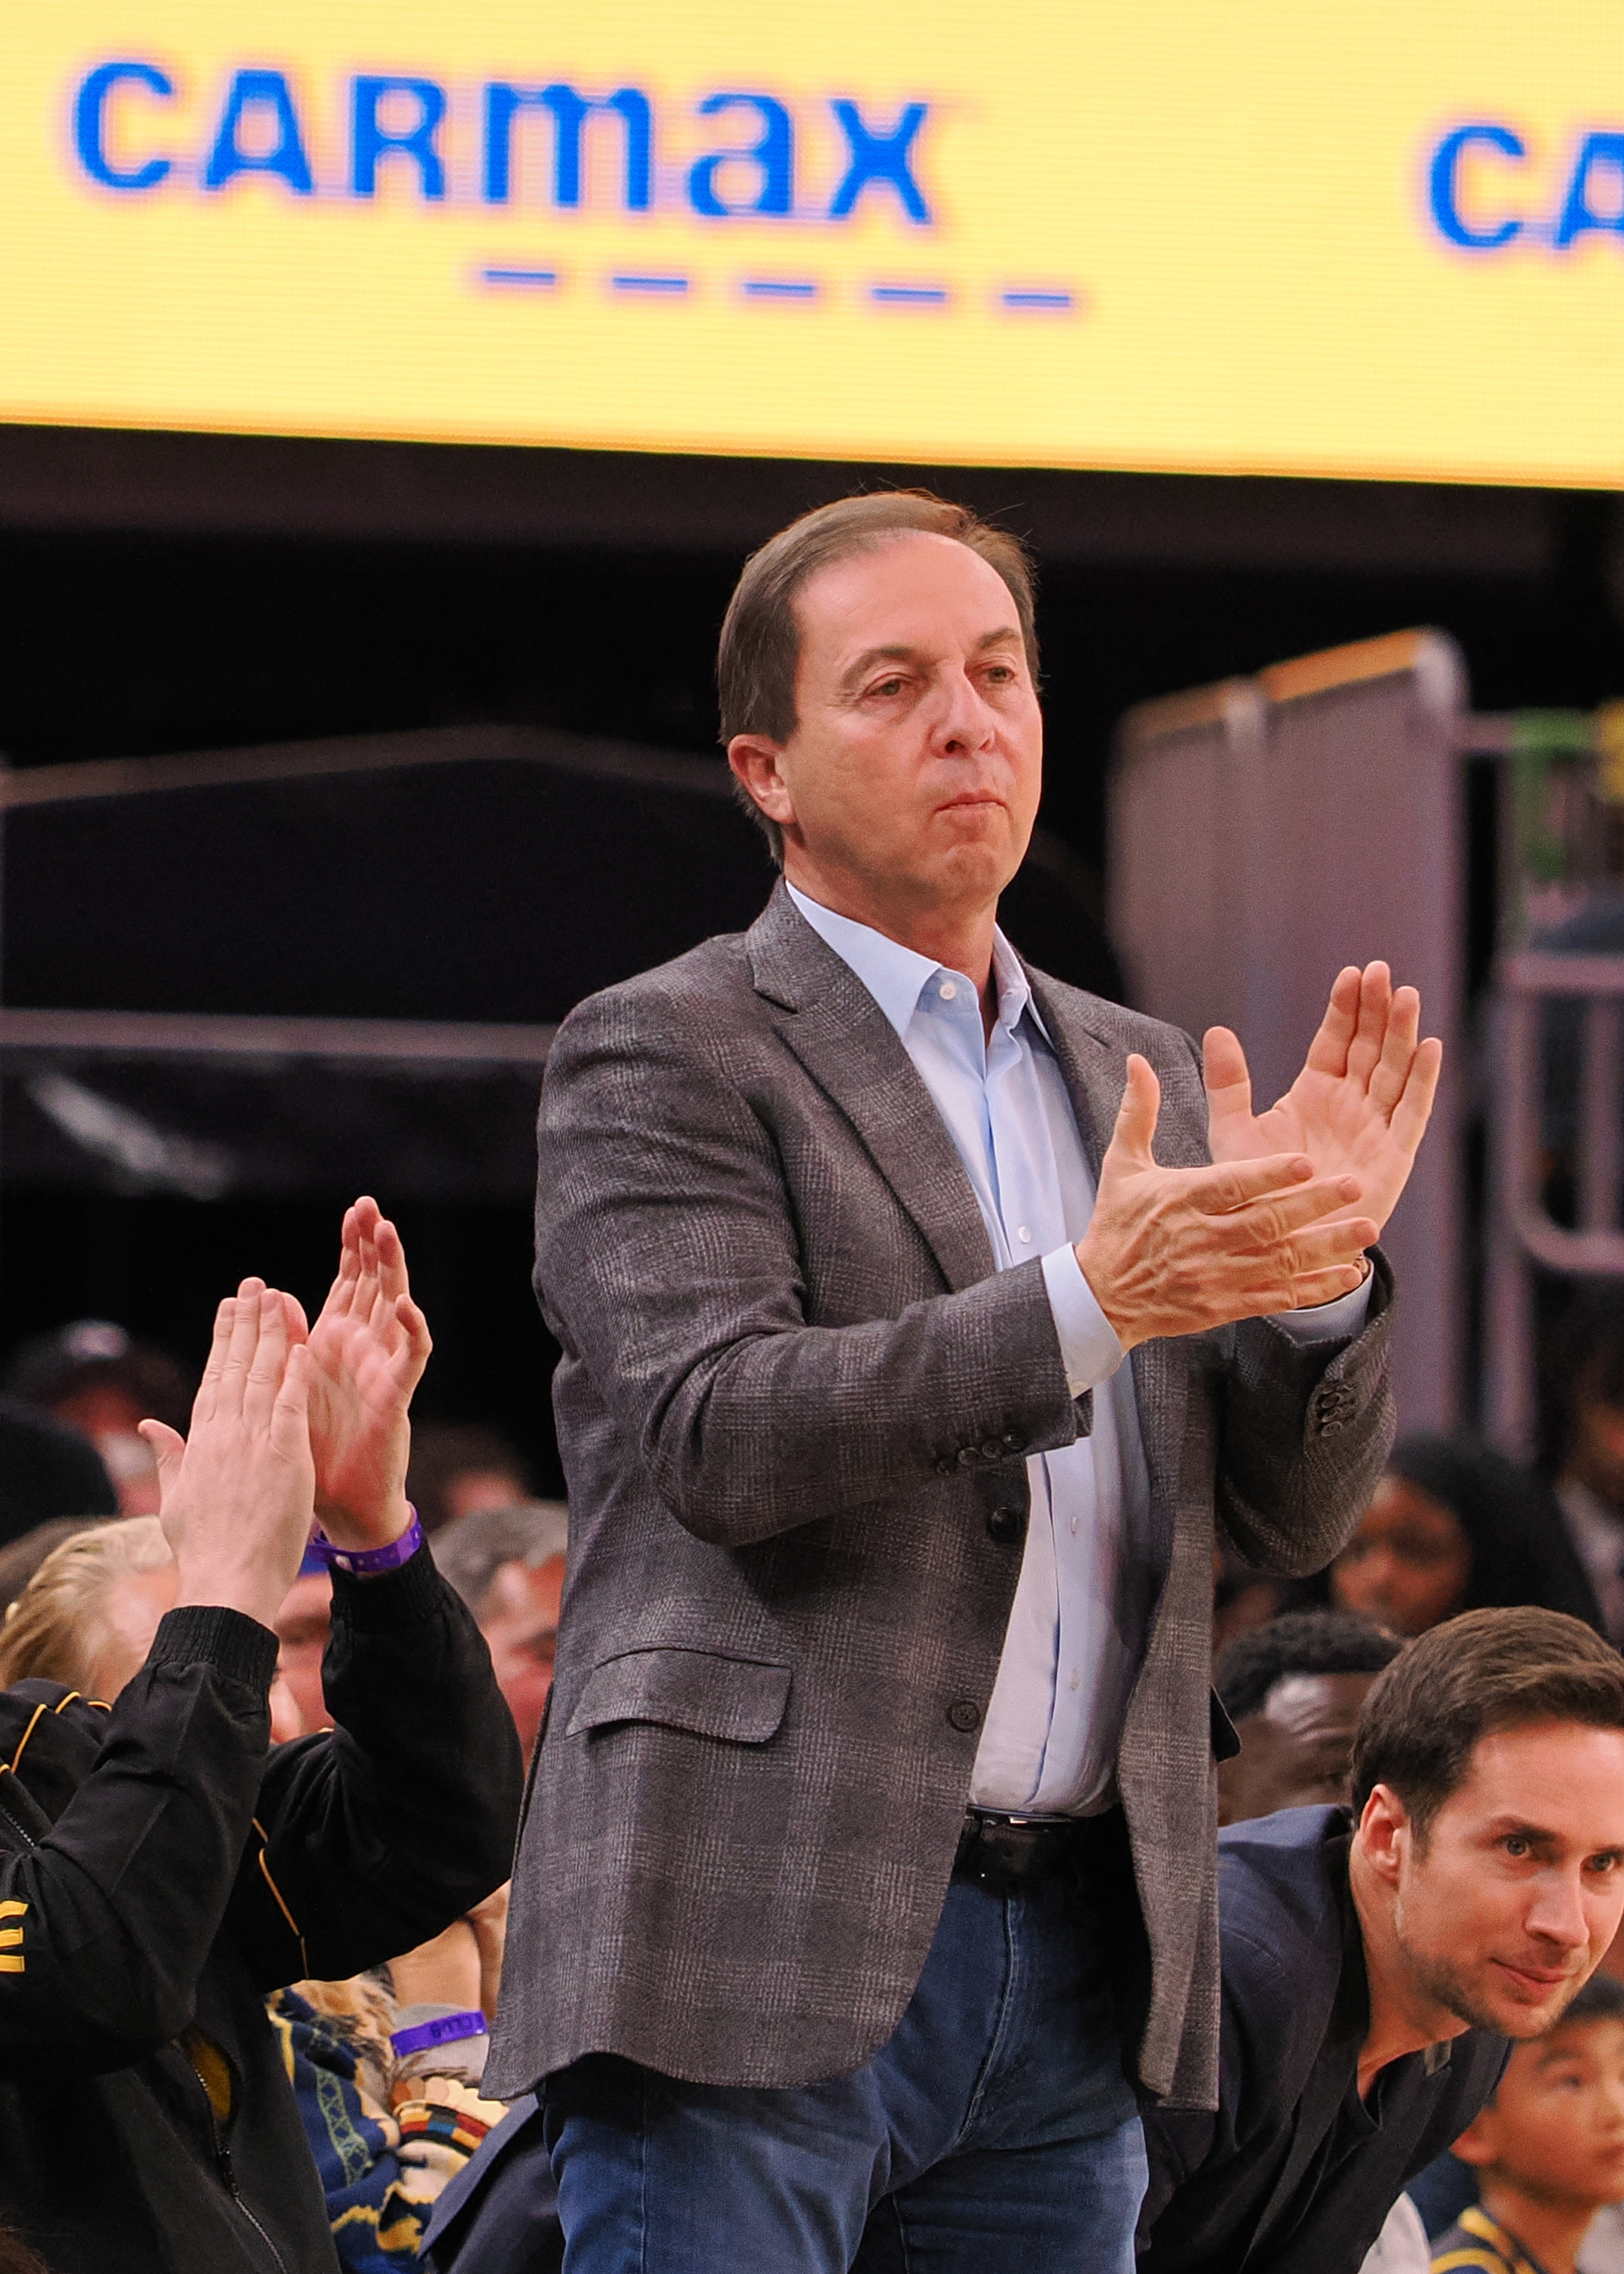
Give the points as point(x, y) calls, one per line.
point(1538, 1981)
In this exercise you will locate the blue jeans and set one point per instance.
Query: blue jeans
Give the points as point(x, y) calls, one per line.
point(993, 2130)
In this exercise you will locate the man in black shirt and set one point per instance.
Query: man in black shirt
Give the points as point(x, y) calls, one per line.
point(1374, 1964)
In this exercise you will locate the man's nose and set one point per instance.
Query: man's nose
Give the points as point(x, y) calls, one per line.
point(965, 720)
point(1557, 1914)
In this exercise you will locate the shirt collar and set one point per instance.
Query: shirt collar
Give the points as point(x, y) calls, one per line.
point(895, 975)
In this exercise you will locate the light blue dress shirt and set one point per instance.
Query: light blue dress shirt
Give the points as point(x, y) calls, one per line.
point(1085, 1590)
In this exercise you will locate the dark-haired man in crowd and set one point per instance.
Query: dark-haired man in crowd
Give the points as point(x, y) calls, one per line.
point(1293, 1690)
point(1373, 1966)
point(884, 1668)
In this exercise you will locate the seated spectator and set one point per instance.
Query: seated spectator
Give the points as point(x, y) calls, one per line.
point(161, 1870)
point(1548, 2149)
point(21, 1558)
point(1581, 1439)
point(97, 1379)
point(1293, 1690)
point(88, 1616)
point(1454, 1526)
point(47, 1471)
point(1375, 1962)
point(458, 1468)
point(386, 2073)
point(508, 1565)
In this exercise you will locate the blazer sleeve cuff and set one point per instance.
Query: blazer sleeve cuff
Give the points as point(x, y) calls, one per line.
point(1335, 1322)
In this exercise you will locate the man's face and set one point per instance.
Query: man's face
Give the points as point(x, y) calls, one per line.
point(1554, 2130)
point(1515, 1892)
point(1408, 1564)
point(519, 1620)
point(1296, 1752)
point(303, 1625)
point(913, 776)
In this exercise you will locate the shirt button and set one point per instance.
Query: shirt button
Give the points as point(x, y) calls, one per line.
point(1074, 1523)
point(947, 990)
point(1025, 1233)
point(1076, 1679)
point(964, 1713)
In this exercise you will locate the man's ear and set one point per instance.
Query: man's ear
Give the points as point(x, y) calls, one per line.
point(754, 762)
point(1384, 1832)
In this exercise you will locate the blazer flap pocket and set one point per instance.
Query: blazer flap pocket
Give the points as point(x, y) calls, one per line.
point(740, 1698)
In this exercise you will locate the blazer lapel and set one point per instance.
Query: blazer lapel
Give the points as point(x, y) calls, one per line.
point(848, 1046)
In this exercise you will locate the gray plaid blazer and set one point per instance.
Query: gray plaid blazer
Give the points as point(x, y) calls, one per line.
point(793, 1394)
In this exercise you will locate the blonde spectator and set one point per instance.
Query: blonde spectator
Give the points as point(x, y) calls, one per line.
point(88, 1616)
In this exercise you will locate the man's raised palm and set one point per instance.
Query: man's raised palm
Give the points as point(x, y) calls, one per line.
point(1361, 1103)
point(368, 1350)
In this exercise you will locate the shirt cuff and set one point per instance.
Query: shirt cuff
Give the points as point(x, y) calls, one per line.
point(1089, 1344)
point(1328, 1322)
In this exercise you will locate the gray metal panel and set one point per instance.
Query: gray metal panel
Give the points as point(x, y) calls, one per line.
point(1265, 835)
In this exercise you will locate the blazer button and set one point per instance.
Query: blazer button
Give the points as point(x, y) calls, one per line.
point(965, 1714)
point(947, 1466)
point(992, 1450)
point(1014, 1442)
point(1006, 1525)
point(968, 1455)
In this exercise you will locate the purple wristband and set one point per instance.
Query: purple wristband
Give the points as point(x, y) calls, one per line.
point(444, 2031)
point(367, 1562)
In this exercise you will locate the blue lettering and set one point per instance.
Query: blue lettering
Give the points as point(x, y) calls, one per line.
point(255, 89)
point(773, 153)
point(570, 111)
point(1443, 187)
point(90, 125)
point(1578, 213)
point(878, 156)
point(501, 102)
point(371, 141)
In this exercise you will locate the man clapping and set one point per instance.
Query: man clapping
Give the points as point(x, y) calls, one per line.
point(161, 1868)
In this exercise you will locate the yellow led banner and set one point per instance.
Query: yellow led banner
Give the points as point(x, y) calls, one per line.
point(1222, 235)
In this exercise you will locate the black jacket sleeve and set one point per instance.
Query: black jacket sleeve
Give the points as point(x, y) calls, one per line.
point(370, 1838)
point(107, 1915)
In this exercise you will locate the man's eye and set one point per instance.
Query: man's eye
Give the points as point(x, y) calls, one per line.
point(887, 687)
point(1516, 1845)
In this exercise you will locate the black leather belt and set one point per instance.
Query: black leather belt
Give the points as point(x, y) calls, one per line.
point(1010, 1854)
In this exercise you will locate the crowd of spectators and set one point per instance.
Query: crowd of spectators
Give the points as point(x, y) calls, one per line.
point(384, 2062)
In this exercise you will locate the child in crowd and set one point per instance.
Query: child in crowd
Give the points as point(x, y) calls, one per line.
point(1549, 2148)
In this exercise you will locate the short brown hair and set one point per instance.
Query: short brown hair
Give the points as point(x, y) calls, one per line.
point(1468, 1679)
point(760, 647)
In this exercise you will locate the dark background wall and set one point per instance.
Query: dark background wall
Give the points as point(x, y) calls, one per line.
point(166, 593)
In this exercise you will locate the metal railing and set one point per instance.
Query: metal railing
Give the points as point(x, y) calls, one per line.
point(1523, 1232)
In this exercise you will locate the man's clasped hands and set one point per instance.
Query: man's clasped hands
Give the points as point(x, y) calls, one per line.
point(295, 1424)
point(1281, 1220)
